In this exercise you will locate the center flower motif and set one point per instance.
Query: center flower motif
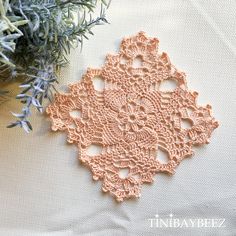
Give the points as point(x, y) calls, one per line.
point(132, 117)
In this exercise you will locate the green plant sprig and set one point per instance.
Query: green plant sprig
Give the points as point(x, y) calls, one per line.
point(35, 38)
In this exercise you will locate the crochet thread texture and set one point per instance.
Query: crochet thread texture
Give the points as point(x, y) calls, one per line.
point(132, 119)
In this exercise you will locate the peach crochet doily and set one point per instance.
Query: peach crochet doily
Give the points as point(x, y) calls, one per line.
point(132, 119)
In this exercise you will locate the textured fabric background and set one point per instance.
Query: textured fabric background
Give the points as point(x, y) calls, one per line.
point(44, 190)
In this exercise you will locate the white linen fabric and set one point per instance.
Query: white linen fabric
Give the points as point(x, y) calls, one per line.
point(45, 191)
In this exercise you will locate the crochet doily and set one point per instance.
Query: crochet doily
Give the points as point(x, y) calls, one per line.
point(132, 119)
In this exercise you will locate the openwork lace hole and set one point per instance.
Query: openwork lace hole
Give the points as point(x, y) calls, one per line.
point(186, 123)
point(123, 60)
point(162, 155)
point(132, 117)
point(137, 62)
point(142, 109)
point(72, 125)
point(123, 108)
point(123, 173)
point(94, 150)
point(122, 127)
point(187, 139)
point(75, 114)
point(98, 83)
point(200, 114)
point(190, 110)
point(168, 85)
